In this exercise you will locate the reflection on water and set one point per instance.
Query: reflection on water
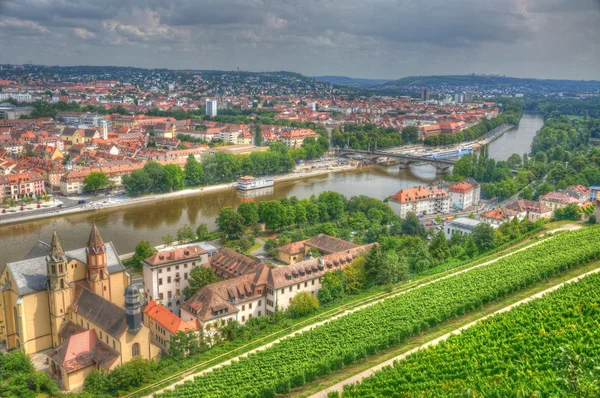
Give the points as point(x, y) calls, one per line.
point(127, 226)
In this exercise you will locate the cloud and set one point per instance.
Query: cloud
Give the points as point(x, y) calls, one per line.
point(375, 38)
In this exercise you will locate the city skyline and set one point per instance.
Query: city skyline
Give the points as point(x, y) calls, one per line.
point(385, 39)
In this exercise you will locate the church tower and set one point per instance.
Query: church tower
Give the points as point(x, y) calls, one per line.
point(97, 271)
point(133, 313)
point(59, 292)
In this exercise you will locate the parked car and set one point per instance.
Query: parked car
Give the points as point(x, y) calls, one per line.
point(81, 201)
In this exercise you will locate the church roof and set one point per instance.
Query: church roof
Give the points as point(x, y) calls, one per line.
point(95, 242)
point(108, 316)
point(30, 275)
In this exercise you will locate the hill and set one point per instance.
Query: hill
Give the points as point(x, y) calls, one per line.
point(351, 81)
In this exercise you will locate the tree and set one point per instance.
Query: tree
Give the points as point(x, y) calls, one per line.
point(230, 223)
point(410, 135)
point(332, 287)
point(439, 248)
point(173, 178)
point(302, 304)
point(249, 211)
point(355, 276)
point(143, 250)
point(183, 344)
point(95, 180)
point(199, 277)
point(258, 138)
point(193, 171)
point(569, 212)
point(373, 264)
point(393, 270)
point(185, 234)
point(412, 226)
point(137, 183)
point(168, 239)
point(202, 232)
point(484, 237)
point(271, 212)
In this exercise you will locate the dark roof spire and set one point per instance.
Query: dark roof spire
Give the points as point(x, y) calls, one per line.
point(56, 251)
point(95, 242)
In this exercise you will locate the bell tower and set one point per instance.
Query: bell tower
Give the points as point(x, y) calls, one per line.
point(97, 271)
point(59, 293)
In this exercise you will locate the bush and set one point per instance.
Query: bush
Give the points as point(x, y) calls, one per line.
point(302, 304)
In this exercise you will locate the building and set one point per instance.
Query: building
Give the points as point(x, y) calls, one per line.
point(292, 253)
point(496, 217)
point(464, 195)
point(461, 225)
point(295, 138)
point(164, 324)
point(321, 244)
point(425, 95)
point(420, 200)
point(229, 264)
point(9, 111)
point(16, 186)
point(573, 194)
point(260, 292)
point(530, 208)
point(166, 272)
point(459, 97)
point(211, 107)
point(79, 304)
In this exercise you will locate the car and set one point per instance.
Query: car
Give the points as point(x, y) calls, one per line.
point(429, 224)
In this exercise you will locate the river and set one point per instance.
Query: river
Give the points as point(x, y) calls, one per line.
point(125, 227)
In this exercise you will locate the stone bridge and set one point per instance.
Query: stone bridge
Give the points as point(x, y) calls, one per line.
point(405, 160)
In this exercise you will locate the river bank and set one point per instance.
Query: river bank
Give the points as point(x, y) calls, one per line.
point(102, 206)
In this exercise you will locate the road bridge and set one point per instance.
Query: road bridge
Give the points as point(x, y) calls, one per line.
point(405, 160)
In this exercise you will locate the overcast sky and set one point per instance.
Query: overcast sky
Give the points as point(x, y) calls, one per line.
point(368, 38)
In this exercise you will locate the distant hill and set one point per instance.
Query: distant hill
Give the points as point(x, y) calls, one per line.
point(489, 82)
point(351, 81)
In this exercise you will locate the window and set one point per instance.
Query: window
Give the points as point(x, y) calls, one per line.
point(184, 265)
point(160, 282)
point(185, 276)
point(177, 268)
point(259, 303)
point(305, 284)
point(243, 308)
point(178, 292)
point(291, 287)
point(62, 284)
point(313, 282)
point(269, 303)
point(259, 313)
point(160, 296)
point(168, 269)
point(135, 350)
point(243, 319)
point(168, 279)
point(160, 270)
point(298, 286)
point(170, 304)
point(250, 306)
point(169, 295)
point(193, 263)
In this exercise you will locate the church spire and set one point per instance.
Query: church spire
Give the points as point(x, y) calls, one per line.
point(95, 242)
point(56, 250)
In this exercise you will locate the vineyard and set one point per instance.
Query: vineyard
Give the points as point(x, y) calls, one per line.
point(546, 348)
point(303, 358)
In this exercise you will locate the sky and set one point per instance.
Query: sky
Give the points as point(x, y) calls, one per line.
point(369, 38)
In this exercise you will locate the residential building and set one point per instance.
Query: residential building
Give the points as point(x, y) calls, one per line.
point(295, 138)
point(464, 194)
point(292, 253)
point(530, 208)
point(79, 304)
point(10, 111)
point(164, 324)
point(420, 200)
point(211, 107)
point(573, 194)
point(499, 216)
point(166, 272)
point(16, 186)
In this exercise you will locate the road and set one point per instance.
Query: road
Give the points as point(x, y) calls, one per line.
point(369, 372)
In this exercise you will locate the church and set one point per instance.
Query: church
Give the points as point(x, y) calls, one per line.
point(78, 304)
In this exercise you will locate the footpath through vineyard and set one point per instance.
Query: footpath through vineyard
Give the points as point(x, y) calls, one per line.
point(569, 227)
point(357, 378)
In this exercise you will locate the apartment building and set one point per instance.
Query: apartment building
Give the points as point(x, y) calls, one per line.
point(464, 195)
point(16, 186)
point(166, 272)
point(420, 200)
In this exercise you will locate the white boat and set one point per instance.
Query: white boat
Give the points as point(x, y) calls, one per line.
point(247, 183)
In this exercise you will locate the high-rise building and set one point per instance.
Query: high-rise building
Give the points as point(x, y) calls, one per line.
point(459, 97)
point(425, 95)
point(211, 107)
point(468, 96)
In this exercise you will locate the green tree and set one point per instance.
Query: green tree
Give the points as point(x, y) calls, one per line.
point(168, 239)
point(137, 183)
point(393, 270)
point(183, 344)
point(271, 213)
point(569, 212)
point(230, 223)
point(412, 226)
point(143, 250)
point(185, 234)
point(193, 171)
point(484, 237)
point(439, 248)
point(373, 264)
point(202, 232)
point(199, 277)
point(173, 178)
point(258, 138)
point(355, 275)
point(249, 211)
point(302, 304)
point(95, 180)
point(332, 287)
point(410, 135)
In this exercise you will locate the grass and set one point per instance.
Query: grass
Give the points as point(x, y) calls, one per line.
point(437, 331)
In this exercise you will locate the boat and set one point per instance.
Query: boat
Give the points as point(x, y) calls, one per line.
point(248, 183)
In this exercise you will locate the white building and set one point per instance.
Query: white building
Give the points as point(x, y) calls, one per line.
point(420, 200)
point(461, 225)
point(464, 195)
point(211, 107)
point(166, 272)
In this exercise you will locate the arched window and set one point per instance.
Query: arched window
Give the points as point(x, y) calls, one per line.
point(16, 317)
point(135, 350)
point(60, 268)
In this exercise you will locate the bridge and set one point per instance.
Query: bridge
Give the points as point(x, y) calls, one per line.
point(405, 160)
